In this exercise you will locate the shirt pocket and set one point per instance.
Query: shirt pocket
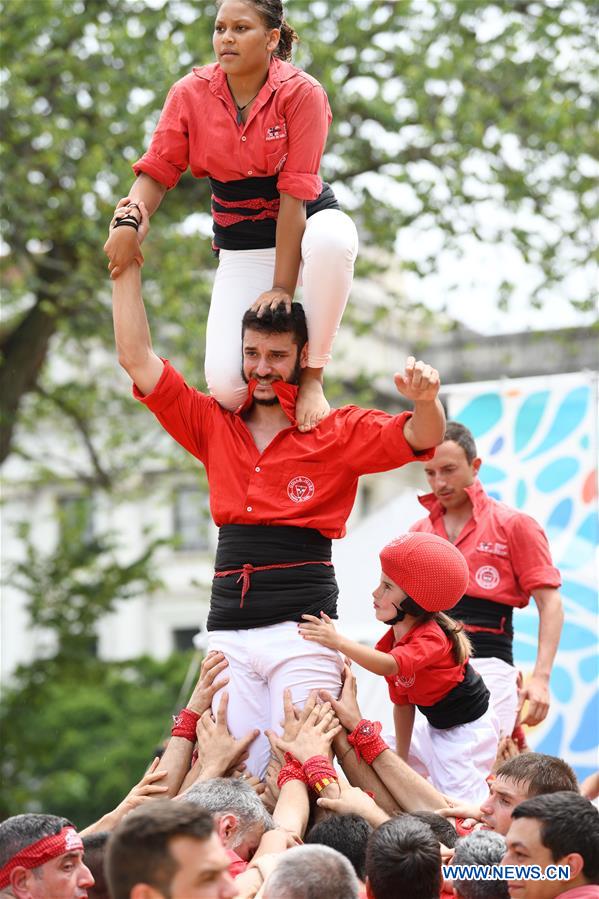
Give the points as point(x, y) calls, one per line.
point(303, 484)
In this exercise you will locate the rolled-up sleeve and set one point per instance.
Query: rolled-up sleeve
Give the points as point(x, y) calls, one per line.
point(530, 555)
point(308, 117)
point(370, 440)
point(167, 156)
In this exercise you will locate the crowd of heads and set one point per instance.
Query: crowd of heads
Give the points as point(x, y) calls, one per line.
point(182, 848)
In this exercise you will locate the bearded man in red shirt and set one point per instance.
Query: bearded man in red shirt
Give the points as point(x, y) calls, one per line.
point(277, 495)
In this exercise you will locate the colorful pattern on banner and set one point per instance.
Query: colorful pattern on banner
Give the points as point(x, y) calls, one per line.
point(538, 439)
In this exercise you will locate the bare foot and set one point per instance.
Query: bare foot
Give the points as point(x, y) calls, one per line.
point(311, 406)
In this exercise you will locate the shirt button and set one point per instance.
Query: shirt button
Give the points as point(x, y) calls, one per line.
point(243, 137)
point(249, 509)
point(250, 172)
point(257, 468)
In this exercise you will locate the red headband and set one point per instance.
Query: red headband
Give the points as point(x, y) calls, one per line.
point(68, 840)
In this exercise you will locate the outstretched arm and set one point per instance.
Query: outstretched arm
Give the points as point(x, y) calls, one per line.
point(420, 383)
point(131, 329)
point(322, 630)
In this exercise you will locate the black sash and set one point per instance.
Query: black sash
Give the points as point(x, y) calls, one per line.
point(250, 233)
point(465, 703)
point(274, 595)
point(489, 627)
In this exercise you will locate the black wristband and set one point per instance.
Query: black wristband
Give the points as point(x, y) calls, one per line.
point(128, 220)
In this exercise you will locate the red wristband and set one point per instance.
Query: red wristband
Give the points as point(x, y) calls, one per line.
point(319, 773)
point(184, 725)
point(291, 770)
point(367, 741)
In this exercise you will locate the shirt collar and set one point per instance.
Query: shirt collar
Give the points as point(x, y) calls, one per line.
point(286, 394)
point(476, 495)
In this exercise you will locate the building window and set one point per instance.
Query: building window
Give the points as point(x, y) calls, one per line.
point(76, 518)
point(183, 638)
point(191, 518)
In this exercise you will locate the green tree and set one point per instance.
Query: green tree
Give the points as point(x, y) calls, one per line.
point(77, 731)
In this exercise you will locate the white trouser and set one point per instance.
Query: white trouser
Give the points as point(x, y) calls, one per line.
point(263, 661)
point(328, 251)
point(500, 679)
point(457, 761)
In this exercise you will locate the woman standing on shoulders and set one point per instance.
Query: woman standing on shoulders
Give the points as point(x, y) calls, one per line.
point(256, 126)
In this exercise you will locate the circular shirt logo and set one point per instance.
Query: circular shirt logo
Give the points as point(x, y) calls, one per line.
point(300, 489)
point(487, 577)
point(405, 681)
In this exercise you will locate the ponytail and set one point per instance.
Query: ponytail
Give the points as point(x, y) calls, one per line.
point(462, 648)
point(286, 41)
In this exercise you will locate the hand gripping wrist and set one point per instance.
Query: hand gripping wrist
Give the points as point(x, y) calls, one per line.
point(184, 725)
point(367, 741)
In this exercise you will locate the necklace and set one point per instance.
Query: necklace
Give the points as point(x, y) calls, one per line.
point(241, 108)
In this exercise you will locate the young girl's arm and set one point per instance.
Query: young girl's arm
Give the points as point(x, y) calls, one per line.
point(291, 224)
point(322, 630)
point(403, 718)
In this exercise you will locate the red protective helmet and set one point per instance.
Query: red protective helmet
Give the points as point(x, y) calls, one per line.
point(429, 569)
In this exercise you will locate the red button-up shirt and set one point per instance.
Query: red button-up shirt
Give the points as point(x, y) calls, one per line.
point(285, 132)
point(427, 668)
point(507, 551)
point(303, 480)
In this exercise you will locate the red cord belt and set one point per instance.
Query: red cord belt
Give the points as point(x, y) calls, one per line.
point(245, 573)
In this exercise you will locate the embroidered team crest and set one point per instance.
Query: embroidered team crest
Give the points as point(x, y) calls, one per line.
point(487, 577)
point(405, 682)
point(300, 489)
point(276, 132)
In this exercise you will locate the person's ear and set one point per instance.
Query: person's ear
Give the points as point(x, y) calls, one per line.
point(476, 464)
point(19, 882)
point(304, 356)
point(575, 862)
point(226, 827)
point(274, 36)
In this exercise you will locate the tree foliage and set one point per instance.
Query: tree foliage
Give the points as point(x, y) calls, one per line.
point(76, 740)
point(77, 731)
point(452, 117)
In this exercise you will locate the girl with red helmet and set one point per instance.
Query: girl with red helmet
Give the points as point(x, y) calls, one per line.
point(424, 659)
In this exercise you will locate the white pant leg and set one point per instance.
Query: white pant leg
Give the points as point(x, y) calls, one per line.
point(457, 761)
point(329, 250)
point(249, 704)
point(241, 276)
point(263, 661)
point(463, 758)
point(500, 679)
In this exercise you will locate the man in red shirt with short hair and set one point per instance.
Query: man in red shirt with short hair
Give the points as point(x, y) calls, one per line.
point(278, 496)
point(509, 559)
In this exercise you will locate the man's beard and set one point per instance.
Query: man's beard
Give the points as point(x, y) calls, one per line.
point(292, 379)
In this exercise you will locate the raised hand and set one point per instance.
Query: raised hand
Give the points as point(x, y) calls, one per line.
point(207, 686)
point(419, 382)
point(346, 708)
point(218, 750)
